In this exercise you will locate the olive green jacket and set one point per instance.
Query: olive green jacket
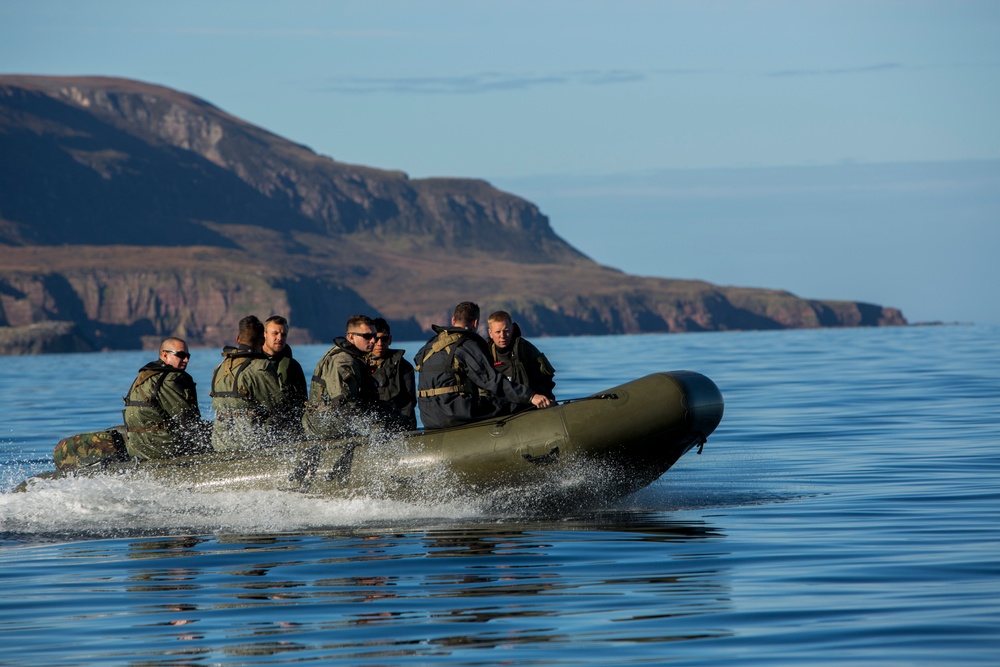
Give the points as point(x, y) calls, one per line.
point(342, 394)
point(246, 395)
point(161, 413)
point(293, 384)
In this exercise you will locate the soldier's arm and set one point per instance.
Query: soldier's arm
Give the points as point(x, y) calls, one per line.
point(484, 376)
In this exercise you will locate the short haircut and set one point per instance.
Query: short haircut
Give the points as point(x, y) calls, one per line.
point(355, 320)
point(277, 319)
point(251, 331)
point(381, 326)
point(466, 314)
point(500, 316)
point(172, 342)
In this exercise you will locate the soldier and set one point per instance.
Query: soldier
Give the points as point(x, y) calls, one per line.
point(342, 394)
point(246, 393)
point(161, 409)
point(394, 377)
point(290, 377)
point(457, 381)
point(518, 359)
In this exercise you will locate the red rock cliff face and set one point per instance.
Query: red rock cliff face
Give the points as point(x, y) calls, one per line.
point(116, 309)
point(136, 212)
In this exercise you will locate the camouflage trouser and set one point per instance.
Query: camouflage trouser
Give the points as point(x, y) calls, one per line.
point(86, 448)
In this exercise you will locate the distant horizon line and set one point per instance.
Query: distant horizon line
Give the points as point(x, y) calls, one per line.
point(662, 170)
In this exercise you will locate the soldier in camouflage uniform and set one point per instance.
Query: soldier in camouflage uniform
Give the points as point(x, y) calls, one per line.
point(246, 394)
point(161, 409)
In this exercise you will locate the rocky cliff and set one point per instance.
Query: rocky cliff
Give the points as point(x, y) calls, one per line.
point(135, 211)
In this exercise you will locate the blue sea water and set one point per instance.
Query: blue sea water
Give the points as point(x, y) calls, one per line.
point(846, 511)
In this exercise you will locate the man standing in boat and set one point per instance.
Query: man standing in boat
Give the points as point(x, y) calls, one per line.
point(288, 424)
point(343, 397)
point(516, 358)
point(457, 382)
point(246, 394)
point(161, 409)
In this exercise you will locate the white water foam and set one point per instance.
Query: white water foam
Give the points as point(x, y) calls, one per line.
point(116, 506)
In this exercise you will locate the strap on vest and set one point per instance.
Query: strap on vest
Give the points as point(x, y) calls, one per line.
point(153, 394)
point(438, 391)
point(236, 378)
point(444, 339)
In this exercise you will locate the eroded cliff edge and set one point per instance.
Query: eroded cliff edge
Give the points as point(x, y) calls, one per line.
point(131, 211)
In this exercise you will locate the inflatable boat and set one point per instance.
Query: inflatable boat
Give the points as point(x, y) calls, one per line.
point(604, 446)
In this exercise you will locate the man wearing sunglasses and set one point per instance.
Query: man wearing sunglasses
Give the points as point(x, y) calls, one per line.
point(161, 409)
point(343, 397)
point(395, 379)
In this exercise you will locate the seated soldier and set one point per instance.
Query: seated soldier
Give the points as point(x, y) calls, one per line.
point(161, 409)
point(343, 397)
point(288, 424)
point(517, 358)
point(246, 394)
point(394, 377)
point(457, 381)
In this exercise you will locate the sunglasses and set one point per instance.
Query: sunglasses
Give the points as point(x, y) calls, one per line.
point(383, 337)
point(366, 336)
point(179, 355)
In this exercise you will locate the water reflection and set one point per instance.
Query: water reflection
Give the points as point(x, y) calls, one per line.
point(422, 592)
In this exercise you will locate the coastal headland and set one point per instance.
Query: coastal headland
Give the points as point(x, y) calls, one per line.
point(130, 211)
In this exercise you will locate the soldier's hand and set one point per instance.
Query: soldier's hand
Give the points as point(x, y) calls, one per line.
point(540, 401)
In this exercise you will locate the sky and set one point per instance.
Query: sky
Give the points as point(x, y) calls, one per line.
point(837, 150)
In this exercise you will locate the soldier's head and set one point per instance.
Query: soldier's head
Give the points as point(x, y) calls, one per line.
point(275, 334)
point(500, 329)
point(383, 338)
point(174, 352)
point(251, 332)
point(361, 332)
point(466, 315)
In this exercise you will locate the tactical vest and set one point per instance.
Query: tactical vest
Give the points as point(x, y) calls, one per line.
point(439, 362)
point(225, 387)
point(143, 413)
point(367, 388)
point(317, 385)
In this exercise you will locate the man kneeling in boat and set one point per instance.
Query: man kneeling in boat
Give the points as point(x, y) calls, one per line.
point(457, 383)
point(161, 409)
